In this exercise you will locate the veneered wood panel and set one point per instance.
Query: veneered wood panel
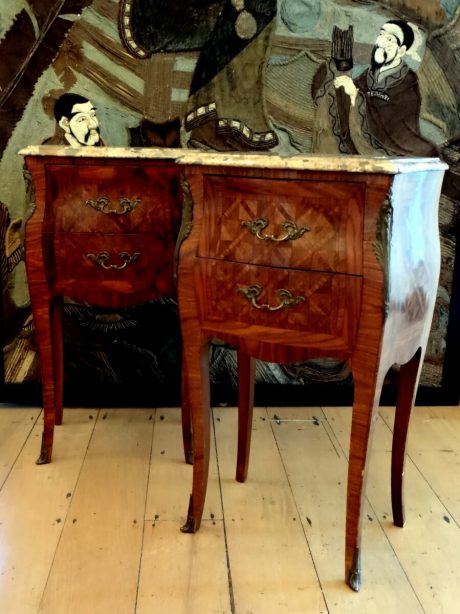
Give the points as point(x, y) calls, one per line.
point(148, 266)
point(139, 198)
point(328, 214)
point(326, 317)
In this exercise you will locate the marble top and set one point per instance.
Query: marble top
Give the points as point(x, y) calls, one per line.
point(316, 162)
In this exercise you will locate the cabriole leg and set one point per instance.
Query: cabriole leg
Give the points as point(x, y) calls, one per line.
point(246, 377)
point(408, 380)
point(366, 400)
point(197, 360)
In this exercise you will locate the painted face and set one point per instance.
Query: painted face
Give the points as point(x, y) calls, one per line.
point(83, 124)
point(388, 46)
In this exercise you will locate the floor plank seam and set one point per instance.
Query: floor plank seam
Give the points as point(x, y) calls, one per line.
point(387, 537)
point(328, 428)
point(64, 522)
point(139, 569)
point(412, 460)
point(332, 435)
point(438, 497)
point(338, 450)
point(13, 464)
point(227, 554)
point(271, 422)
point(375, 515)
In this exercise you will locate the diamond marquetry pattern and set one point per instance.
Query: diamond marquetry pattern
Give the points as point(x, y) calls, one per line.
point(331, 212)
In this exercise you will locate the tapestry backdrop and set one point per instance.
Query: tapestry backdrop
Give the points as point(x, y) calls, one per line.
point(286, 76)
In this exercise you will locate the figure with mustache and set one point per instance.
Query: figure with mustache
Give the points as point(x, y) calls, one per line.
point(384, 102)
point(76, 122)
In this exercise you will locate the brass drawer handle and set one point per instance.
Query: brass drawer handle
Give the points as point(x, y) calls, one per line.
point(251, 293)
point(102, 205)
point(291, 230)
point(102, 257)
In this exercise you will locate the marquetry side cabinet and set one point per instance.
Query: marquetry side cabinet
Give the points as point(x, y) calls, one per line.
point(103, 230)
point(295, 258)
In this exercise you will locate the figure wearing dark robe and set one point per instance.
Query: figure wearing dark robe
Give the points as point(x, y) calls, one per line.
point(388, 110)
point(379, 111)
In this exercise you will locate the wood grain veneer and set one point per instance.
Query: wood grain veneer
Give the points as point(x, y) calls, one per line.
point(102, 231)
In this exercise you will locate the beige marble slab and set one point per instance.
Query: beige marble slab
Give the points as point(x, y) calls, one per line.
point(312, 162)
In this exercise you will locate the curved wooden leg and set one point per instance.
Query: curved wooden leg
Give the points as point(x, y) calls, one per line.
point(58, 357)
point(197, 360)
point(246, 378)
point(368, 385)
point(41, 305)
point(187, 437)
point(408, 380)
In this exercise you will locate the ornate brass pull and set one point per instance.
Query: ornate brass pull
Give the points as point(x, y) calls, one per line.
point(251, 293)
point(102, 205)
point(291, 230)
point(102, 257)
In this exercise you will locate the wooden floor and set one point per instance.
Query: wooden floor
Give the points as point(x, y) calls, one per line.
point(97, 530)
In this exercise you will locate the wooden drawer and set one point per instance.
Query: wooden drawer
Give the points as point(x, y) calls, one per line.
point(324, 312)
point(91, 266)
point(124, 198)
point(326, 216)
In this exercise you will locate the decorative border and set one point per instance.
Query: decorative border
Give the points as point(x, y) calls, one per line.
point(243, 133)
point(126, 33)
point(382, 243)
point(234, 127)
point(186, 223)
point(199, 115)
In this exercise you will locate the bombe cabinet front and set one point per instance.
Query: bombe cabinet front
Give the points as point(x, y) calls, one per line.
point(290, 259)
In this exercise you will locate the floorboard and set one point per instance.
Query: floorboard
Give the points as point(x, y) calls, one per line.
point(98, 530)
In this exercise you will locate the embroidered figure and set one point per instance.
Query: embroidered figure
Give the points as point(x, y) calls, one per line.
point(384, 101)
point(76, 122)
